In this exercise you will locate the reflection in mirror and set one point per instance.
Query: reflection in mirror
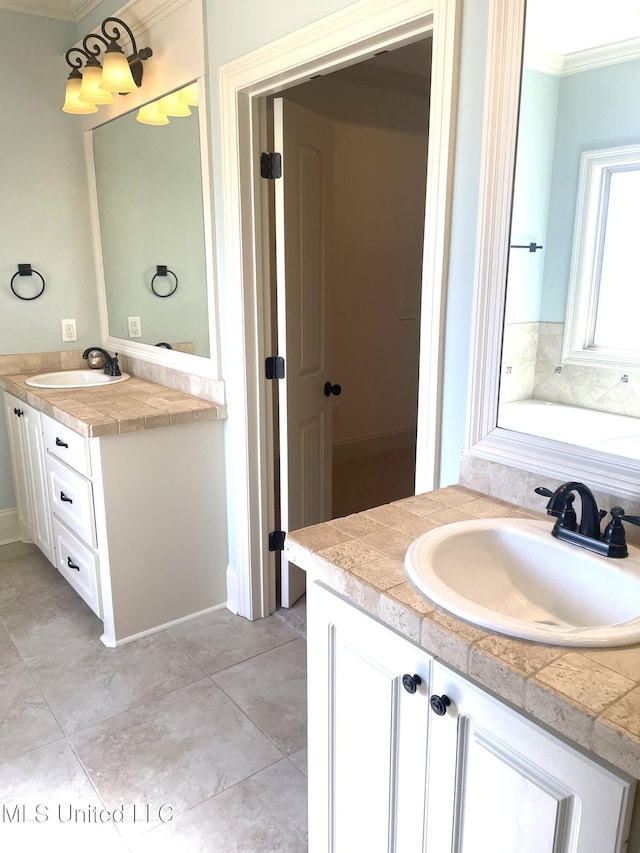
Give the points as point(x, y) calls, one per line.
point(579, 96)
point(150, 207)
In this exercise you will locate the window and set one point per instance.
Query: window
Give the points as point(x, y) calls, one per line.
point(603, 307)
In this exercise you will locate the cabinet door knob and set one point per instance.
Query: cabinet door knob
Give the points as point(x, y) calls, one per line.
point(18, 412)
point(72, 565)
point(64, 498)
point(439, 704)
point(411, 682)
point(61, 443)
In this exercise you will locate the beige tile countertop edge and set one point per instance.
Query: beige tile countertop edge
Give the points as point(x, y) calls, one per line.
point(130, 406)
point(589, 696)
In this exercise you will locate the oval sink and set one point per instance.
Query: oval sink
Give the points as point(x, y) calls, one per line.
point(74, 379)
point(511, 576)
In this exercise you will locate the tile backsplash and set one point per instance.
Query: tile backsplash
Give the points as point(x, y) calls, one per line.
point(532, 368)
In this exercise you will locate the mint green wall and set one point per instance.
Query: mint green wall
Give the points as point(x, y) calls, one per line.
point(536, 135)
point(44, 204)
point(596, 109)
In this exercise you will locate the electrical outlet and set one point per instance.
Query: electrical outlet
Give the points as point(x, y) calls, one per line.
point(69, 333)
point(135, 327)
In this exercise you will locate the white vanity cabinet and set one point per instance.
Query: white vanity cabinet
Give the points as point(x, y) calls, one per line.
point(387, 773)
point(27, 458)
point(367, 733)
point(70, 493)
point(137, 518)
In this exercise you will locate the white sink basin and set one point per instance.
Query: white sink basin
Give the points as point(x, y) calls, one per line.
point(74, 379)
point(513, 577)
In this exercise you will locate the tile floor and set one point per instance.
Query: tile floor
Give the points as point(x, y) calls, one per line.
point(192, 739)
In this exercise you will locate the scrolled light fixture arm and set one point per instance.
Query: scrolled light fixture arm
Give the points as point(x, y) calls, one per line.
point(111, 30)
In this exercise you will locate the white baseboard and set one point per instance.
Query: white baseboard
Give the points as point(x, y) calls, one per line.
point(233, 595)
point(9, 528)
point(373, 445)
point(116, 645)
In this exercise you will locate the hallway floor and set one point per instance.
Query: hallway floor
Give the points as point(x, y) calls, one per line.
point(362, 483)
point(192, 739)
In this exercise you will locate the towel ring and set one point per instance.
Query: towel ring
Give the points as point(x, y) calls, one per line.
point(24, 270)
point(163, 271)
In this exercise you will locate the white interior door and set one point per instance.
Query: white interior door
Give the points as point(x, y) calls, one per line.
point(302, 199)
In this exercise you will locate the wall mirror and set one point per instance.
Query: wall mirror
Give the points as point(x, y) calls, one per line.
point(547, 395)
point(151, 211)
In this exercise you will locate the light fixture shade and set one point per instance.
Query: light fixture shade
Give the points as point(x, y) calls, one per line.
point(90, 91)
point(189, 95)
point(116, 73)
point(71, 102)
point(150, 114)
point(171, 105)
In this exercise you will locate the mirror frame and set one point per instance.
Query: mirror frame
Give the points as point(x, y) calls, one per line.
point(186, 362)
point(606, 472)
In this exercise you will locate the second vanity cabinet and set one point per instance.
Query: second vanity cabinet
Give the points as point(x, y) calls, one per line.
point(387, 772)
point(133, 521)
point(26, 443)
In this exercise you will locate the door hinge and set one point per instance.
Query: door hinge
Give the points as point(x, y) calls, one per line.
point(276, 540)
point(270, 165)
point(274, 367)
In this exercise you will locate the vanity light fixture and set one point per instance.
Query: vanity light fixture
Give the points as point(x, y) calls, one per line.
point(95, 84)
point(150, 114)
point(173, 105)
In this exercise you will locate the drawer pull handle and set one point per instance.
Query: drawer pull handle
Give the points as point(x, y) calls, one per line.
point(72, 565)
point(18, 412)
point(411, 682)
point(61, 443)
point(439, 704)
point(64, 498)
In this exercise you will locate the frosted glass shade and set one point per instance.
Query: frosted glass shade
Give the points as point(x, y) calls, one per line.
point(189, 95)
point(90, 91)
point(171, 105)
point(71, 102)
point(116, 74)
point(150, 114)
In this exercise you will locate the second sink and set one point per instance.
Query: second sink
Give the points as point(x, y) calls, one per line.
point(513, 577)
point(74, 379)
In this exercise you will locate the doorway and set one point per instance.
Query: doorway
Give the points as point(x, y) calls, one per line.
point(367, 127)
point(357, 32)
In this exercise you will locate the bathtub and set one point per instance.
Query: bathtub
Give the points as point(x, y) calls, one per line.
point(618, 434)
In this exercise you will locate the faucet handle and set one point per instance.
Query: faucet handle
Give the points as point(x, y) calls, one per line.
point(542, 490)
point(618, 512)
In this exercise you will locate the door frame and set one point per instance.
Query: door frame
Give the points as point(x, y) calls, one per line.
point(352, 35)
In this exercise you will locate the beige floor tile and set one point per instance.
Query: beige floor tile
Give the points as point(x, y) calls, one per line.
point(99, 682)
point(47, 786)
point(219, 640)
point(174, 751)
point(25, 720)
point(299, 758)
point(9, 655)
point(271, 690)
point(266, 813)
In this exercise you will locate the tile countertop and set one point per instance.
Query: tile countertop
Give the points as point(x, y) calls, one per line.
point(590, 696)
point(130, 406)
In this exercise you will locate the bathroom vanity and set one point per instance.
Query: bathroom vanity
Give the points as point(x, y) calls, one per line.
point(118, 488)
point(427, 733)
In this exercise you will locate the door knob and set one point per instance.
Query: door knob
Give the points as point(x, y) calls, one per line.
point(330, 389)
point(411, 682)
point(439, 704)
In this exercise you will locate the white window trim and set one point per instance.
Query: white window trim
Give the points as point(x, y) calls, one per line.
point(582, 299)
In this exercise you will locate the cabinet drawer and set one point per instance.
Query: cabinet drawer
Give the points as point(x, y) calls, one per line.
point(67, 445)
point(78, 565)
point(71, 497)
